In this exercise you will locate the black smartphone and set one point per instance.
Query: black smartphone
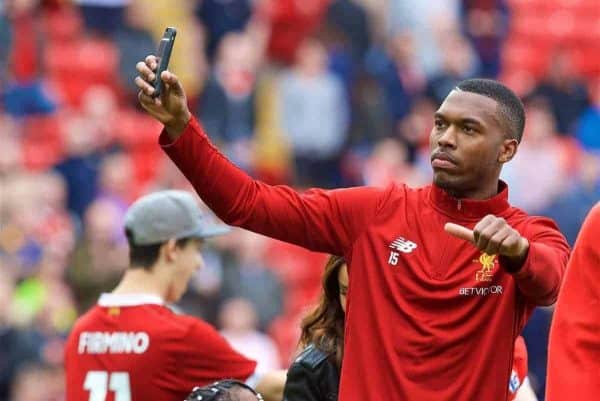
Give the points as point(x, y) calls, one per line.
point(163, 55)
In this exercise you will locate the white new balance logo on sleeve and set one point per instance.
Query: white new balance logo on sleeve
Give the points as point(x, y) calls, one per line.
point(402, 245)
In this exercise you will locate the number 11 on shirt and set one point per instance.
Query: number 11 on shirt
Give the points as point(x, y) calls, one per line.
point(98, 383)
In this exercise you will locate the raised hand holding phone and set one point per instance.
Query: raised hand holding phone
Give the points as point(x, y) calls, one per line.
point(170, 106)
point(165, 48)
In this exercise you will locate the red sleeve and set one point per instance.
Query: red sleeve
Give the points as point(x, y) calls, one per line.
point(540, 277)
point(323, 221)
point(574, 346)
point(204, 356)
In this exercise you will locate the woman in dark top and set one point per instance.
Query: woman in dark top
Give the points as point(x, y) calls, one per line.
point(314, 375)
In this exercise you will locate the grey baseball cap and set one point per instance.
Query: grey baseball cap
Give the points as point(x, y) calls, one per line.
point(160, 216)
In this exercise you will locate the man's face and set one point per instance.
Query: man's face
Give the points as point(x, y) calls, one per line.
point(188, 261)
point(467, 143)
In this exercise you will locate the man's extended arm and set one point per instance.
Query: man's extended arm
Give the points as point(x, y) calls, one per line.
point(326, 221)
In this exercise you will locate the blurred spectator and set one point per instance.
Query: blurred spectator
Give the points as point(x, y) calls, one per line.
point(486, 25)
point(100, 257)
point(459, 63)
point(400, 76)
point(17, 346)
point(246, 275)
point(290, 22)
point(414, 129)
point(24, 93)
point(239, 325)
point(88, 136)
point(227, 103)
point(315, 117)
point(427, 21)
point(134, 42)
point(103, 16)
point(38, 382)
point(116, 181)
point(541, 147)
point(389, 164)
point(221, 17)
point(567, 94)
point(572, 205)
point(588, 127)
point(350, 19)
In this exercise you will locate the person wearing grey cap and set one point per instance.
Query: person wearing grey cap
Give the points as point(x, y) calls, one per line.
point(131, 344)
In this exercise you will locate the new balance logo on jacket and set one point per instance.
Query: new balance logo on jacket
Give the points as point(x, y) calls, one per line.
point(402, 245)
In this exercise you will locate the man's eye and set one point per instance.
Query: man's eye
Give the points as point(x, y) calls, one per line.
point(468, 130)
point(439, 124)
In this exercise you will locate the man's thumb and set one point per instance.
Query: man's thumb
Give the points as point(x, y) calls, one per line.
point(459, 232)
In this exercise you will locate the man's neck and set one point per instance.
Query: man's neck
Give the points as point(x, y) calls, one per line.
point(482, 193)
point(141, 281)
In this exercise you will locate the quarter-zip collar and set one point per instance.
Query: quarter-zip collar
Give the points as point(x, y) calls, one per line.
point(469, 209)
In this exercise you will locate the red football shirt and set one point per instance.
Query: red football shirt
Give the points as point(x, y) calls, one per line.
point(574, 346)
point(133, 348)
point(429, 317)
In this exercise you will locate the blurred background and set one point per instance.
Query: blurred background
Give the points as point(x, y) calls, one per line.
point(304, 92)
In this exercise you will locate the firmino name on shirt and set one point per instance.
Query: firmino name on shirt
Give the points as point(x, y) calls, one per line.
point(118, 342)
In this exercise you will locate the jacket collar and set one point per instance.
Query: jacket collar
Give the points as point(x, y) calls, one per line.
point(469, 209)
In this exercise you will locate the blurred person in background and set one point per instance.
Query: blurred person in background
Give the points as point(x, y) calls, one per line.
point(542, 147)
point(221, 18)
point(115, 181)
point(588, 125)
point(103, 16)
point(566, 93)
point(428, 21)
point(18, 345)
point(238, 321)
point(574, 346)
point(227, 104)
point(247, 274)
point(314, 116)
point(100, 256)
point(131, 331)
point(133, 40)
point(459, 62)
point(399, 74)
point(477, 130)
point(486, 24)
point(38, 382)
point(582, 192)
point(388, 163)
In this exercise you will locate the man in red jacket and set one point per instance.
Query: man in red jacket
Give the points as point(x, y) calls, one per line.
point(431, 314)
point(574, 348)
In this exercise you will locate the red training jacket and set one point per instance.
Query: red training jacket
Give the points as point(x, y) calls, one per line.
point(574, 346)
point(429, 317)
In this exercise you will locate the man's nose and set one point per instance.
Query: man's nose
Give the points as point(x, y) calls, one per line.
point(448, 138)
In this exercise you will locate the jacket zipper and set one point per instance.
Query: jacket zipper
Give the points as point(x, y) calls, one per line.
point(459, 204)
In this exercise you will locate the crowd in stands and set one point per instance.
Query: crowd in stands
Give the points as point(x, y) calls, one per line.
point(307, 93)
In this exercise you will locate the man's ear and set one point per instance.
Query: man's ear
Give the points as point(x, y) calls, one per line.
point(169, 250)
point(508, 150)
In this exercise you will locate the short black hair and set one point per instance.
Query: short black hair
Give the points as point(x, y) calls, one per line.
point(146, 256)
point(511, 110)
